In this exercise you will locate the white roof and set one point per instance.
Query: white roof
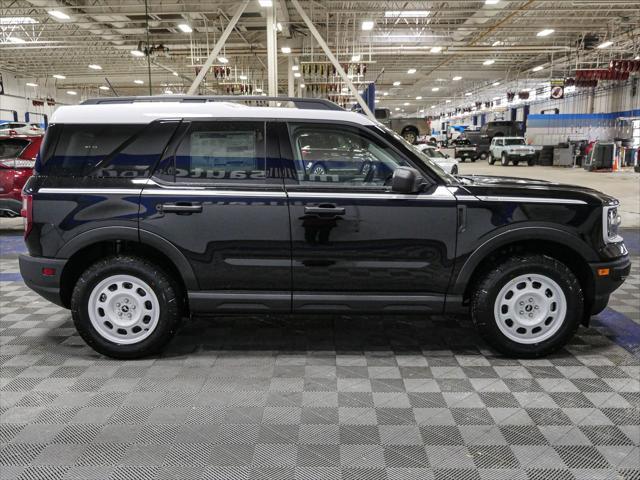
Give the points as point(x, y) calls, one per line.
point(146, 112)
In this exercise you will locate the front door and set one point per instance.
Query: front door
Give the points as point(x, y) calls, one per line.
point(214, 197)
point(355, 243)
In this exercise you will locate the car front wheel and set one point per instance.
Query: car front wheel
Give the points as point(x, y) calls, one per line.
point(528, 306)
point(504, 161)
point(125, 307)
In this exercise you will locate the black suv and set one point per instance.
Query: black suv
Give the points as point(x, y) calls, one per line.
point(143, 211)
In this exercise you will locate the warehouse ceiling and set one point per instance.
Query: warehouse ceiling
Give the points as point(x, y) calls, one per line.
point(456, 47)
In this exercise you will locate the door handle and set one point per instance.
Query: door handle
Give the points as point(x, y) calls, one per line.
point(325, 209)
point(181, 208)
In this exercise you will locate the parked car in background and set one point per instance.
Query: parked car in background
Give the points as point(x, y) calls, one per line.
point(444, 161)
point(19, 128)
point(409, 128)
point(500, 128)
point(17, 158)
point(511, 149)
point(463, 149)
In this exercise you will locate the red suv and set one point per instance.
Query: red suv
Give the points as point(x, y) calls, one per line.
point(17, 158)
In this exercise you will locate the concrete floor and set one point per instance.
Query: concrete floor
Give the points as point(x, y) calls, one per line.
point(623, 185)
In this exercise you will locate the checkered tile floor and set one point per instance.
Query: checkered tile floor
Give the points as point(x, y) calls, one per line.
point(315, 398)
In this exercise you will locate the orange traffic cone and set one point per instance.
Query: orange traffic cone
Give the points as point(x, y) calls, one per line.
point(614, 167)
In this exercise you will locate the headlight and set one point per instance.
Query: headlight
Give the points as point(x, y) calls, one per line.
point(610, 224)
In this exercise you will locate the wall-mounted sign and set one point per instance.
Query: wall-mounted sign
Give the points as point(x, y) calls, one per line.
point(557, 88)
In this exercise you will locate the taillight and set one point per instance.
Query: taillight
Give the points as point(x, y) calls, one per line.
point(27, 213)
point(17, 163)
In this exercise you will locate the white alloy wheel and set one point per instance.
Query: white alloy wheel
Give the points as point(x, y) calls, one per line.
point(530, 308)
point(123, 309)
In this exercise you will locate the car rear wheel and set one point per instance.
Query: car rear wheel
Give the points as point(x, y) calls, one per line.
point(125, 307)
point(528, 306)
point(318, 169)
point(504, 161)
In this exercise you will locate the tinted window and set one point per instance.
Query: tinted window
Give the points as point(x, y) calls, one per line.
point(12, 147)
point(214, 152)
point(514, 141)
point(80, 148)
point(327, 155)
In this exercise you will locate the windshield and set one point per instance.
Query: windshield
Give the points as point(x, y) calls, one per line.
point(433, 166)
point(514, 141)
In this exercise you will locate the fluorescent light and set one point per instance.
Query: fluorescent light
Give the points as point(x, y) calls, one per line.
point(258, 90)
point(496, 43)
point(16, 40)
point(447, 101)
point(355, 58)
point(242, 77)
point(17, 21)
point(137, 53)
point(297, 74)
point(406, 13)
point(31, 84)
point(397, 108)
point(58, 14)
point(279, 26)
point(436, 49)
point(175, 74)
point(546, 32)
point(495, 84)
point(435, 89)
point(537, 69)
point(266, 3)
point(71, 92)
point(138, 82)
point(491, 2)
point(285, 50)
point(94, 66)
point(396, 83)
point(59, 77)
point(368, 25)
point(418, 97)
point(223, 60)
point(103, 87)
point(606, 44)
point(468, 94)
point(345, 89)
point(302, 85)
point(295, 68)
point(185, 28)
point(489, 62)
point(433, 106)
point(411, 71)
point(637, 57)
point(385, 94)
point(406, 104)
point(456, 78)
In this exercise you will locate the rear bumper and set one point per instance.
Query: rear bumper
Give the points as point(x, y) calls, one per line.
point(47, 286)
point(605, 285)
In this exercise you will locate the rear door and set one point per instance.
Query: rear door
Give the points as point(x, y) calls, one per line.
point(217, 197)
point(357, 245)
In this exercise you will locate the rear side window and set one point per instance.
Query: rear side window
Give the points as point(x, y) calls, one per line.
point(105, 150)
point(12, 147)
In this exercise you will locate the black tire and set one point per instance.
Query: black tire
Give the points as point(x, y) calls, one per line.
point(491, 159)
point(530, 162)
point(410, 136)
point(473, 159)
point(167, 293)
point(504, 161)
point(516, 162)
point(489, 286)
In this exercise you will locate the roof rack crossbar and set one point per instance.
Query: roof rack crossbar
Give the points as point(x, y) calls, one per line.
point(301, 103)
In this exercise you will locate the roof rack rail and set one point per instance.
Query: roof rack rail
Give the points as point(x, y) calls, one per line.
point(301, 103)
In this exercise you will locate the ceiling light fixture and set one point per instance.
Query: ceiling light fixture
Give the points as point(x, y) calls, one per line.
point(396, 83)
point(71, 92)
point(266, 3)
point(545, 33)
point(59, 77)
point(537, 69)
point(436, 49)
point(468, 94)
point(286, 50)
point(406, 104)
point(456, 78)
point(606, 44)
point(138, 82)
point(279, 26)
point(397, 108)
point(355, 58)
point(368, 25)
point(295, 68)
point(175, 74)
point(489, 62)
point(242, 77)
point(31, 84)
point(297, 74)
point(435, 89)
point(411, 71)
point(447, 101)
point(16, 40)
point(103, 87)
point(223, 60)
point(496, 43)
point(137, 53)
point(495, 84)
point(95, 66)
point(418, 97)
point(302, 85)
point(58, 14)
point(185, 28)
point(406, 13)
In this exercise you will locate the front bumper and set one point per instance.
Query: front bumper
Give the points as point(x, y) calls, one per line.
point(606, 283)
point(47, 286)
point(518, 157)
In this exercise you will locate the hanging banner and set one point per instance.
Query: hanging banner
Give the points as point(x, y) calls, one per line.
point(557, 88)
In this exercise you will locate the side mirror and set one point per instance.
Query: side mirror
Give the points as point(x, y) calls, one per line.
point(406, 180)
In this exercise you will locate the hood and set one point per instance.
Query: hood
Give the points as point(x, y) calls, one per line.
point(486, 187)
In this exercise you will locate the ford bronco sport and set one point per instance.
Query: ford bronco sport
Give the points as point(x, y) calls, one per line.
point(143, 211)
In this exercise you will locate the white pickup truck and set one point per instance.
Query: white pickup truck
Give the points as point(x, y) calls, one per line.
point(511, 149)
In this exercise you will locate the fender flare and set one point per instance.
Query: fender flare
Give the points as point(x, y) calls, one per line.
point(505, 237)
point(132, 234)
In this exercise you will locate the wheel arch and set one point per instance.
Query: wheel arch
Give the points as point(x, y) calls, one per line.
point(88, 247)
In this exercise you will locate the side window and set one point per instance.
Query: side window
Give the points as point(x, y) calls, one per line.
point(326, 155)
point(221, 152)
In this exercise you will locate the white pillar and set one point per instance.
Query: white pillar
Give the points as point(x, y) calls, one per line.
point(290, 78)
point(272, 52)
